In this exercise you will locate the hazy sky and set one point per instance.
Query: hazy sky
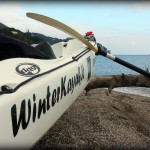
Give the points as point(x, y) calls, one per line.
point(122, 27)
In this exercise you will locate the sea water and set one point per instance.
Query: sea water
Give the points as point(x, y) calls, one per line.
point(105, 67)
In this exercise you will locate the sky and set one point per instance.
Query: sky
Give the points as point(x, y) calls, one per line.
point(122, 27)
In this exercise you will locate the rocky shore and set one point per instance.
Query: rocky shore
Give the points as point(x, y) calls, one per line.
point(102, 121)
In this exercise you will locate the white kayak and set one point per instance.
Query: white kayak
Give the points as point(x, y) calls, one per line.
point(34, 93)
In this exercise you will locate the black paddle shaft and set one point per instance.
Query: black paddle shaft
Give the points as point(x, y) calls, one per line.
point(122, 62)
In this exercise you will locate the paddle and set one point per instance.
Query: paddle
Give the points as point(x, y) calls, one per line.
point(70, 31)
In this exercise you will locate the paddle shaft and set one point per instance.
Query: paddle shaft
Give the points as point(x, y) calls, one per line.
point(122, 62)
point(56, 24)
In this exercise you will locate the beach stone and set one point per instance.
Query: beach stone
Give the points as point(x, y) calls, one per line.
point(98, 120)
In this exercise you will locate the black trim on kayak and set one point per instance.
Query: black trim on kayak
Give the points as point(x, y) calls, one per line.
point(80, 55)
point(7, 90)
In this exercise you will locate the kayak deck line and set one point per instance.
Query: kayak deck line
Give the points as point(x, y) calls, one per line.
point(8, 90)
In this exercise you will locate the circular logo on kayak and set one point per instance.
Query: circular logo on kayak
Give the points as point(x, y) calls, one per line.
point(27, 69)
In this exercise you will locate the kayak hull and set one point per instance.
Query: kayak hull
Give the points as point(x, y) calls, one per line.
point(31, 110)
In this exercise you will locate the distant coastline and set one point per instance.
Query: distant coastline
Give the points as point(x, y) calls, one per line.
point(29, 37)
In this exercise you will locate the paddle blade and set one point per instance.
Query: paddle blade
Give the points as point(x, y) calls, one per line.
point(58, 25)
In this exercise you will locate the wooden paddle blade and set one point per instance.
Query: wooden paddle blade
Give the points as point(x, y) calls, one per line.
point(56, 24)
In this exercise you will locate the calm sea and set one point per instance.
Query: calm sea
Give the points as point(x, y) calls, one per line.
point(104, 66)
